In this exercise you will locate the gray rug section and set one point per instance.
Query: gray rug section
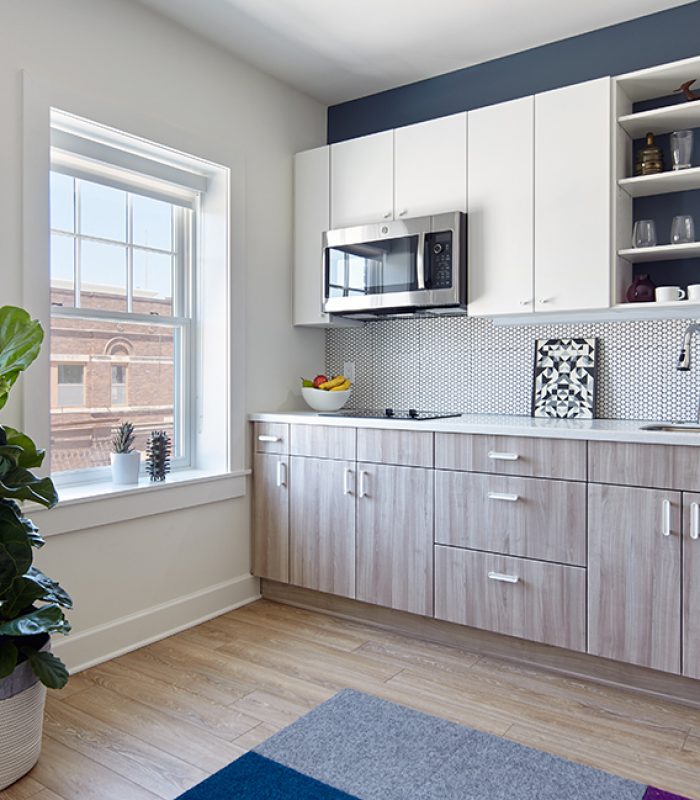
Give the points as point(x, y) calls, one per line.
point(378, 750)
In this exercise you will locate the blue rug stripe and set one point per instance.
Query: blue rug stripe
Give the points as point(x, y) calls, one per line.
point(254, 777)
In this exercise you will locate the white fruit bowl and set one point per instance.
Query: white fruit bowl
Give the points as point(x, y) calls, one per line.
point(322, 400)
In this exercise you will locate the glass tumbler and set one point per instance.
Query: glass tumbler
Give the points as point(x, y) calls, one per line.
point(681, 149)
point(644, 234)
point(682, 229)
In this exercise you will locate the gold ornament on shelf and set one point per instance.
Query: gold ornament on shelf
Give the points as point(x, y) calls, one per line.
point(650, 159)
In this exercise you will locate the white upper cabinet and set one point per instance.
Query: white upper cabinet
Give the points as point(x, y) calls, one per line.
point(430, 167)
point(362, 180)
point(501, 206)
point(572, 197)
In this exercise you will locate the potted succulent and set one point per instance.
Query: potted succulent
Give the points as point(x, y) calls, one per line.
point(125, 460)
point(31, 604)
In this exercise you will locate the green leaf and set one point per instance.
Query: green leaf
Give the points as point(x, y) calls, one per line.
point(15, 554)
point(30, 588)
point(29, 455)
point(8, 658)
point(48, 619)
point(53, 592)
point(20, 342)
point(11, 517)
point(50, 670)
point(21, 484)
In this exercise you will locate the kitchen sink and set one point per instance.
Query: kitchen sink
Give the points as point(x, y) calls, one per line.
point(673, 427)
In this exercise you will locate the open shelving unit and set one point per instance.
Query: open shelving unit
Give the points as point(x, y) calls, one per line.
point(681, 180)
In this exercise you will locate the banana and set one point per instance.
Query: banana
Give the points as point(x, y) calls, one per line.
point(343, 386)
point(333, 382)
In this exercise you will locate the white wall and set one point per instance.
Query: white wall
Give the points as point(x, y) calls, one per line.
point(142, 73)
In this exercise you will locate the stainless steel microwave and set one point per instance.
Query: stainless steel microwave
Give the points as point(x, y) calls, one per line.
point(396, 267)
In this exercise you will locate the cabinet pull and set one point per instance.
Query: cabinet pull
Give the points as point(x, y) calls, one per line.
point(281, 473)
point(501, 576)
point(527, 302)
point(510, 498)
point(666, 517)
point(403, 213)
point(264, 437)
point(694, 521)
point(363, 491)
point(347, 474)
point(503, 456)
point(387, 215)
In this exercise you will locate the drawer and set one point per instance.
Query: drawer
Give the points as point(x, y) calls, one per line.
point(532, 600)
point(512, 455)
point(657, 466)
point(271, 437)
point(323, 441)
point(405, 448)
point(529, 517)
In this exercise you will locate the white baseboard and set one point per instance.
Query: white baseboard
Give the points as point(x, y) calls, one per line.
point(114, 638)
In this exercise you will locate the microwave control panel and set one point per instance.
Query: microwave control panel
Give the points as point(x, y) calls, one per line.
point(438, 257)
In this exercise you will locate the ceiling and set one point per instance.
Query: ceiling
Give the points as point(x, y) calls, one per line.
point(337, 50)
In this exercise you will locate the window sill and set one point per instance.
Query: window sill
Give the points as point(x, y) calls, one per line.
point(94, 504)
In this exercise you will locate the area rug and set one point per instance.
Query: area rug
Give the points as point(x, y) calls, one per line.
point(355, 746)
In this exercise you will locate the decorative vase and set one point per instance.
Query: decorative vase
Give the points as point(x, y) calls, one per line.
point(21, 719)
point(125, 467)
point(650, 159)
point(641, 290)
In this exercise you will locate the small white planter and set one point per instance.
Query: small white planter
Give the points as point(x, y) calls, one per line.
point(125, 467)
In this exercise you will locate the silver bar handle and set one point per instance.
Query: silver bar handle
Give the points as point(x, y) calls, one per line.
point(695, 521)
point(264, 437)
point(510, 498)
point(347, 475)
point(362, 490)
point(281, 473)
point(503, 577)
point(420, 264)
point(496, 456)
point(666, 517)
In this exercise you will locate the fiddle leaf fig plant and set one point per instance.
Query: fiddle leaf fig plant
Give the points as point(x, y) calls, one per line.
point(31, 603)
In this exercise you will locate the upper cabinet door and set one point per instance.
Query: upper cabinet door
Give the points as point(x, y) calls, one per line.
point(362, 180)
point(573, 255)
point(500, 217)
point(430, 167)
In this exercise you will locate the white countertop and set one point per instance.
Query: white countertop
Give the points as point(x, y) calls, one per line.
point(609, 430)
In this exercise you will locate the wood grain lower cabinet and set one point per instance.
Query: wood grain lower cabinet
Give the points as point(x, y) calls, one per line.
point(691, 585)
point(271, 517)
point(322, 525)
point(395, 537)
point(634, 576)
point(519, 597)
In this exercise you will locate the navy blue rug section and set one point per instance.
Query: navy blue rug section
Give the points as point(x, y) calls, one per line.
point(254, 777)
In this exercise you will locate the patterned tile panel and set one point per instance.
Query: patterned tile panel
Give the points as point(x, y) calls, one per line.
point(470, 365)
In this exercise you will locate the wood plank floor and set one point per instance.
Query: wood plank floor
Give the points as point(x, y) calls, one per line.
point(154, 722)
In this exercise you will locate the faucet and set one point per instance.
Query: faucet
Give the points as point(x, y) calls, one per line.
point(684, 355)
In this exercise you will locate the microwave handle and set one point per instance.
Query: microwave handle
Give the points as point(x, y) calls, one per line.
point(420, 261)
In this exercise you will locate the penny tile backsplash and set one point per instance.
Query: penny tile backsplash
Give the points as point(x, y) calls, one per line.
point(471, 365)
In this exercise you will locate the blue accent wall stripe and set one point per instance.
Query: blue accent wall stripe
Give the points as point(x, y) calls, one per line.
point(644, 42)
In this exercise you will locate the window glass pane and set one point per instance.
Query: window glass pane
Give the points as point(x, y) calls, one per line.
point(70, 373)
point(102, 211)
point(153, 283)
point(61, 201)
point(62, 270)
point(102, 276)
point(80, 437)
point(152, 222)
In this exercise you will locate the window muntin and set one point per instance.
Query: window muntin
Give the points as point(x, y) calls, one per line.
point(120, 271)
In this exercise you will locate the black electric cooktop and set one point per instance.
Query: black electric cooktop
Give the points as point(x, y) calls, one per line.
point(390, 413)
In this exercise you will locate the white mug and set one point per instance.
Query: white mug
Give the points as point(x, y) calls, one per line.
point(694, 292)
point(669, 294)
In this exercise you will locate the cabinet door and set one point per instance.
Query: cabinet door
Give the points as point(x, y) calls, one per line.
point(271, 517)
point(395, 537)
point(500, 218)
point(362, 180)
point(430, 167)
point(322, 525)
point(634, 576)
point(691, 585)
point(573, 254)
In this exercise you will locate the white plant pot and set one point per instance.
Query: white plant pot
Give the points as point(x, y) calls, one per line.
point(125, 467)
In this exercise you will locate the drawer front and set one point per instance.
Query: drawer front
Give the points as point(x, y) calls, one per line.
point(404, 448)
point(323, 441)
point(657, 466)
point(528, 517)
point(529, 599)
point(512, 455)
point(271, 437)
